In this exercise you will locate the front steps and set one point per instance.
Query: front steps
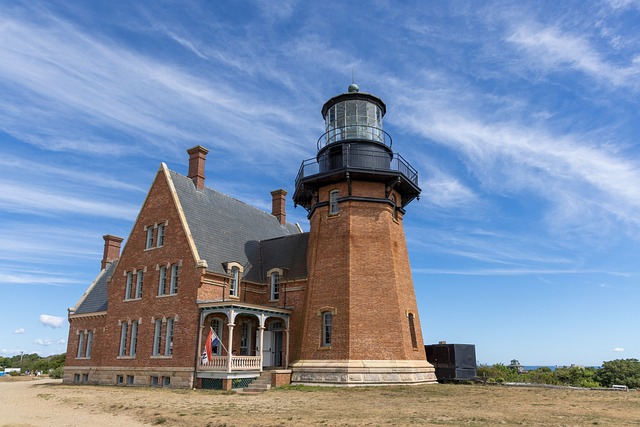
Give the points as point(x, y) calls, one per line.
point(259, 385)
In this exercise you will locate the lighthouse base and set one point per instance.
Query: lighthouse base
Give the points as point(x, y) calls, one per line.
point(352, 373)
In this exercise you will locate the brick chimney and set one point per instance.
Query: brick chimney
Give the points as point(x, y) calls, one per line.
point(278, 205)
point(111, 249)
point(197, 157)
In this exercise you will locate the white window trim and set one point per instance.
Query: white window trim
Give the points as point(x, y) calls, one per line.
point(88, 344)
point(334, 209)
point(124, 331)
point(270, 275)
point(174, 278)
point(157, 337)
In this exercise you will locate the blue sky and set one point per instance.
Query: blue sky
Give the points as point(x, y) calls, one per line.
point(522, 120)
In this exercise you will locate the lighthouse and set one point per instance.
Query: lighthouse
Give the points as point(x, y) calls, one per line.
point(361, 324)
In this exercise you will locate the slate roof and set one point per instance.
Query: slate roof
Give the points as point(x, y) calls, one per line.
point(288, 252)
point(225, 229)
point(96, 297)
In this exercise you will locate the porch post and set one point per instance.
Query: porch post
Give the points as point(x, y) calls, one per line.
point(261, 329)
point(286, 354)
point(230, 349)
point(201, 328)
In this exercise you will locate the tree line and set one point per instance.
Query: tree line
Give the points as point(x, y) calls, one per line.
point(614, 372)
point(51, 365)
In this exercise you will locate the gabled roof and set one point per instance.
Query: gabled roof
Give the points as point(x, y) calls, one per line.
point(95, 298)
point(227, 230)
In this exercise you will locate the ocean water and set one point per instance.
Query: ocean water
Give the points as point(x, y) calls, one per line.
point(534, 367)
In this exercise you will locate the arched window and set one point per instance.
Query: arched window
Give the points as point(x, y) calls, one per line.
point(333, 202)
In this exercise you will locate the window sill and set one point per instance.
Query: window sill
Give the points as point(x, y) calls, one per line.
point(125, 357)
point(132, 299)
point(323, 347)
point(83, 358)
point(166, 295)
point(161, 356)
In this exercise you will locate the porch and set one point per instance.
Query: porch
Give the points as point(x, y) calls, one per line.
point(226, 364)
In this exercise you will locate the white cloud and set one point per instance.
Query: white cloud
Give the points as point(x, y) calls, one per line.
point(52, 321)
point(9, 352)
point(19, 331)
point(47, 341)
point(554, 49)
point(618, 350)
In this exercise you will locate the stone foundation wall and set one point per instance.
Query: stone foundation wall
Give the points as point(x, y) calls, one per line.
point(362, 372)
point(140, 377)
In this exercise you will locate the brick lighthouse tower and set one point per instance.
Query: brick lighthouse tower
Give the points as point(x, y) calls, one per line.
point(361, 323)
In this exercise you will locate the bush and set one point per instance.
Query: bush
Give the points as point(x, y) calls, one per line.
point(620, 371)
point(56, 373)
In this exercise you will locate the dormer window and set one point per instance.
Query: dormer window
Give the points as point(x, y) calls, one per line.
point(234, 269)
point(275, 286)
point(234, 281)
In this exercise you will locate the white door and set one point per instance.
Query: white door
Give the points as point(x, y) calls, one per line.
point(267, 347)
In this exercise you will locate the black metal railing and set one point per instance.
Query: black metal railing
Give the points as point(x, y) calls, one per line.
point(354, 132)
point(357, 158)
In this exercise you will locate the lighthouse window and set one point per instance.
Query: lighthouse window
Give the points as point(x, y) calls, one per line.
point(412, 331)
point(333, 203)
point(327, 319)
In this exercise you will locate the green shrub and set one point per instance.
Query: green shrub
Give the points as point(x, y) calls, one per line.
point(56, 373)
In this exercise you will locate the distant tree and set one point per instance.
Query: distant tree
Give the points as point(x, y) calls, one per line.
point(620, 371)
point(577, 376)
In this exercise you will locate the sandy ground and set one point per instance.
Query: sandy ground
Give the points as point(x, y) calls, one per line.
point(45, 402)
point(33, 403)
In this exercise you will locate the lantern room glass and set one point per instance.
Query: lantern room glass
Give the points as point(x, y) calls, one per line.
point(354, 119)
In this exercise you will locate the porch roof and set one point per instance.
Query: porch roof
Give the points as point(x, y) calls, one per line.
point(241, 308)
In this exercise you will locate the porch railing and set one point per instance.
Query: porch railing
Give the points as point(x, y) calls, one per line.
point(238, 363)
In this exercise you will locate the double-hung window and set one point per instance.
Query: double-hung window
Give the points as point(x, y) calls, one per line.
point(139, 280)
point(123, 338)
point(233, 283)
point(134, 338)
point(129, 285)
point(157, 337)
point(168, 342)
point(80, 344)
point(160, 238)
point(175, 268)
point(275, 286)
point(149, 237)
point(162, 281)
point(87, 350)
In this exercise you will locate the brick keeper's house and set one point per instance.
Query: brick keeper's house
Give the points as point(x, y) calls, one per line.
point(332, 306)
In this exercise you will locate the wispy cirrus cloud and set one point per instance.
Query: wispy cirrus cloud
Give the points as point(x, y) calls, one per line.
point(556, 50)
point(19, 331)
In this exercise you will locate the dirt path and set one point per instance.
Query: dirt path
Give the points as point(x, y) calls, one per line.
point(34, 403)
